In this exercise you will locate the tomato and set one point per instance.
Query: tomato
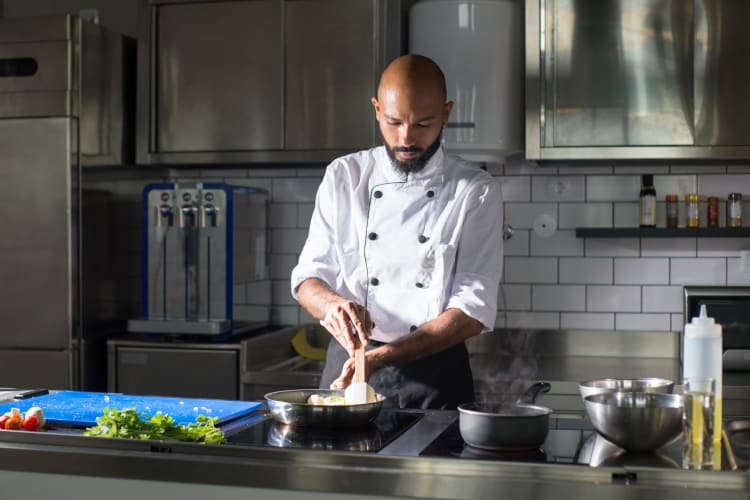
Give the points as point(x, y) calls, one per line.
point(3, 419)
point(31, 423)
point(14, 422)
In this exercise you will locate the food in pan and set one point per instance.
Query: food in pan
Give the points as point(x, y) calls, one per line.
point(357, 393)
point(321, 400)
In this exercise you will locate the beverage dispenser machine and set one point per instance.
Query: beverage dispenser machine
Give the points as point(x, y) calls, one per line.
point(200, 241)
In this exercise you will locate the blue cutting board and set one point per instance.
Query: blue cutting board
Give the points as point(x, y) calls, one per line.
point(80, 409)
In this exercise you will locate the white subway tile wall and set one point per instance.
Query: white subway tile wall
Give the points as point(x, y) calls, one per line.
point(612, 247)
point(558, 298)
point(662, 298)
point(562, 242)
point(641, 271)
point(657, 322)
point(587, 321)
point(595, 270)
point(562, 281)
point(559, 281)
point(613, 298)
point(574, 215)
point(670, 247)
point(698, 271)
point(518, 244)
point(514, 298)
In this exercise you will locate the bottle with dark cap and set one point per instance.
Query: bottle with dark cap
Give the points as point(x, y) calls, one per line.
point(647, 211)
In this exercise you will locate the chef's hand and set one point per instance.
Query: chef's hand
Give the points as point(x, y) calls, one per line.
point(347, 321)
point(347, 374)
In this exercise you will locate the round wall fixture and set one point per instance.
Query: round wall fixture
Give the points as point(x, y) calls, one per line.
point(545, 225)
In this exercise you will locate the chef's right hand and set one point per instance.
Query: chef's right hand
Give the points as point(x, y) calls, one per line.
point(347, 321)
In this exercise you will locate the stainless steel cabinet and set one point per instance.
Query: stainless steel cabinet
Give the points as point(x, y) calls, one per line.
point(218, 77)
point(610, 79)
point(261, 80)
point(184, 369)
point(330, 74)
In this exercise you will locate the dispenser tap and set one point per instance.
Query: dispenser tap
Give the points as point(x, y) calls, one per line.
point(162, 212)
point(188, 215)
point(209, 215)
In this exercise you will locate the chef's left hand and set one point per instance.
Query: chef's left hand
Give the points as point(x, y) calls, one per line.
point(347, 374)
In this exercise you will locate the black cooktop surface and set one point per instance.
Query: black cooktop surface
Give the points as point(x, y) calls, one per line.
point(569, 441)
point(264, 431)
point(561, 446)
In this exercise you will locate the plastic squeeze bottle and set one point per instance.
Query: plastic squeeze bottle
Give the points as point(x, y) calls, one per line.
point(702, 357)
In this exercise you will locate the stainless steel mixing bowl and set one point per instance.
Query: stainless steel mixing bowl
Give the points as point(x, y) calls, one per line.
point(647, 384)
point(636, 421)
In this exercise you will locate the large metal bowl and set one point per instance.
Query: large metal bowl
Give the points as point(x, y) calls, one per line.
point(291, 407)
point(636, 421)
point(655, 385)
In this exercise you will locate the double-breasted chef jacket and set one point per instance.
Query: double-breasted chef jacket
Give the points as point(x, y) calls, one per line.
point(408, 247)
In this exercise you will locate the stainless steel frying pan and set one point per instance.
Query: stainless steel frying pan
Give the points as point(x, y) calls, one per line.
point(291, 407)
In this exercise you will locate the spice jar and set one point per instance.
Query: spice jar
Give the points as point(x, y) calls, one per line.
point(691, 208)
point(713, 211)
point(672, 210)
point(734, 210)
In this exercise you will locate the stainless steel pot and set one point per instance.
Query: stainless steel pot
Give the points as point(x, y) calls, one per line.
point(291, 407)
point(506, 426)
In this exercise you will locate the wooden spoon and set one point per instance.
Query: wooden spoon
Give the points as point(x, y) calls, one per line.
point(359, 363)
point(359, 354)
point(359, 391)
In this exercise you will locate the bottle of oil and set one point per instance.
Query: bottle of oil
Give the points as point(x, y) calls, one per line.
point(702, 357)
point(647, 211)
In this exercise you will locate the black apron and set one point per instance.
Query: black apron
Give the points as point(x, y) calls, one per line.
point(440, 381)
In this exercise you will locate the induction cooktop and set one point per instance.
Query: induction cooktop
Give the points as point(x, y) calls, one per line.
point(264, 431)
point(571, 440)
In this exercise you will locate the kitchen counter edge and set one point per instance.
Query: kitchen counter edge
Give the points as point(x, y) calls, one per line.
point(385, 476)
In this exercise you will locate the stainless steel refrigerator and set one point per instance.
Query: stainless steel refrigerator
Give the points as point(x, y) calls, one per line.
point(65, 105)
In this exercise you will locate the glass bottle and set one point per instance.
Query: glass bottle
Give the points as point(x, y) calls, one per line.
point(734, 210)
point(672, 210)
point(647, 212)
point(713, 211)
point(691, 208)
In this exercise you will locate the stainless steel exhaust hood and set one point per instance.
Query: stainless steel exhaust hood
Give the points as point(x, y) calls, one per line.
point(637, 79)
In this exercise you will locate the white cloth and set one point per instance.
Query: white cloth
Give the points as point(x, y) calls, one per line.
point(408, 247)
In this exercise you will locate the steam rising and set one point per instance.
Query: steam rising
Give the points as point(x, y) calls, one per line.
point(509, 370)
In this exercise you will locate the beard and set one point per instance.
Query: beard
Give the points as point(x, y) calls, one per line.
point(418, 163)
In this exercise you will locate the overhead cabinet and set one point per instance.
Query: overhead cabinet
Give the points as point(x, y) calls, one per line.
point(261, 80)
point(637, 79)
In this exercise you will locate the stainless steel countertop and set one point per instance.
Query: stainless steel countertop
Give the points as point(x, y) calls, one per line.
point(377, 475)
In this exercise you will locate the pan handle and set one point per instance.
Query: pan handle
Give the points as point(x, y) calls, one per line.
point(530, 395)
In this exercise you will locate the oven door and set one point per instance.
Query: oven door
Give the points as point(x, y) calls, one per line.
point(730, 307)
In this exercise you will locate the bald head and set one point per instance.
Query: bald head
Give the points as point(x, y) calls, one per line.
point(413, 74)
point(411, 108)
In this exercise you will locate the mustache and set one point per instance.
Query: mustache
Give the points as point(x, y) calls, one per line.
point(407, 149)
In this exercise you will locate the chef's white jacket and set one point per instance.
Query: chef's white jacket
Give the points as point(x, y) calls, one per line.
point(407, 247)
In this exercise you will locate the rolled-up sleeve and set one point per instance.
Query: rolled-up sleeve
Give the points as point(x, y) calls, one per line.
point(479, 258)
point(318, 257)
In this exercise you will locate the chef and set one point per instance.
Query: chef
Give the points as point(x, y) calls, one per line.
point(404, 252)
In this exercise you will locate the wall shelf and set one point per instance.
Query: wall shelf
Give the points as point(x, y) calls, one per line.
point(663, 232)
